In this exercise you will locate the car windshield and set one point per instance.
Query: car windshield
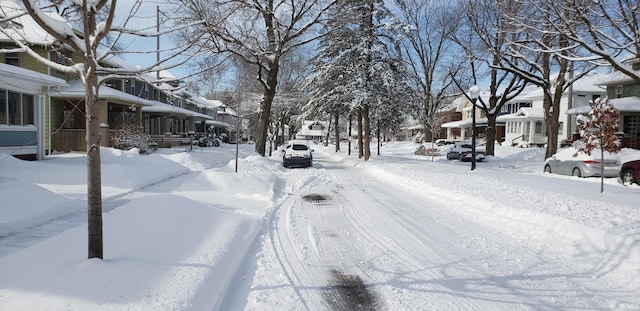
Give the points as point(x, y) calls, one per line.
point(299, 147)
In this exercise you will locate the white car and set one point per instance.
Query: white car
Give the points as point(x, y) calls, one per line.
point(569, 161)
point(297, 153)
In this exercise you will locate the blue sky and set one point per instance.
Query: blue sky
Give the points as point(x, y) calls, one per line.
point(145, 20)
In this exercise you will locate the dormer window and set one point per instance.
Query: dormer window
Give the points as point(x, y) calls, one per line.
point(12, 58)
point(635, 66)
point(619, 91)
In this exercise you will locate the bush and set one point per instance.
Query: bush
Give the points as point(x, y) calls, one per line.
point(128, 136)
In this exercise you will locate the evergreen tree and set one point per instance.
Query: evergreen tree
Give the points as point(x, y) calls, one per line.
point(357, 70)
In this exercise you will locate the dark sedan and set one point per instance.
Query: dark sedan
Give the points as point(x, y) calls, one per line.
point(630, 172)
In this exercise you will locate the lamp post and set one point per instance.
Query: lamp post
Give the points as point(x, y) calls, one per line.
point(474, 92)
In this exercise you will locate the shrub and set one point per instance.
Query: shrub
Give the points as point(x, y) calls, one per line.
point(127, 136)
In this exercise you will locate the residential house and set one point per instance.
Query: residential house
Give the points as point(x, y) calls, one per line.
point(461, 129)
point(527, 126)
point(24, 83)
point(448, 113)
point(22, 110)
point(313, 130)
point(521, 121)
point(39, 102)
point(624, 94)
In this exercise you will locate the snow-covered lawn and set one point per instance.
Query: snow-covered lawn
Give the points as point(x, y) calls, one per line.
point(183, 231)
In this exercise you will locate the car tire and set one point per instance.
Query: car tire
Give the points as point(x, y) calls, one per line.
point(576, 172)
point(627, 177)
point(547, 169)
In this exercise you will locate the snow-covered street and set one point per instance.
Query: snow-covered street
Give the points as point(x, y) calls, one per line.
point(398, 232)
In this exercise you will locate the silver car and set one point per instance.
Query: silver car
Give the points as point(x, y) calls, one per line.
point(564, 163)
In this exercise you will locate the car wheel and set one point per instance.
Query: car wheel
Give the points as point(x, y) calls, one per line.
point(627, 177)
point(547, 169)
point(576, 172)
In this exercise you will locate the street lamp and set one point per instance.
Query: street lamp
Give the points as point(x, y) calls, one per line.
point(474, 92)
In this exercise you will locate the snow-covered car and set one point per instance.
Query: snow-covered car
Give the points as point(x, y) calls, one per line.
point(582, 165)
point(462, 151)
point(443, 142)
point(297, 153)
point(423, 150)
point(630, 172)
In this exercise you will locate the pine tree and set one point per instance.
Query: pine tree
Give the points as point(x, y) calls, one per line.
point(356, 71)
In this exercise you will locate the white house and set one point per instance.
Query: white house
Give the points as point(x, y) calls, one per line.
point(313, 130)
point(527, 125)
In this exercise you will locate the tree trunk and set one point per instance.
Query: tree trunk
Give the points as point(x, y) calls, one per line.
point(367, 132)
point(360, 143)
point(491, 134)
point(264, 115)
point(337, 132)
point(94, 175)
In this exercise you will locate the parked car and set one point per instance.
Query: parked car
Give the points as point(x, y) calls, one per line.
point(443, 142)
point(582, 165)
point(423, 150)
point(462, 151)
point(297, 153)
point(630, 172)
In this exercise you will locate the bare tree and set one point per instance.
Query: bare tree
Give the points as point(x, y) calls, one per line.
point(486, 38)
point(543, 57)
point(84, 31)
point(609, 30)
point(430, 53)
point(599, 131)
point(258, 32)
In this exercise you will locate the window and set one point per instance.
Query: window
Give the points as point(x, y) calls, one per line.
point(631, 126)
point(619, 91)
point(3, 107)
point(16, 108)
point(15, 111)
point(12, 58)
point(59, 58)
point(73, 118)
point(28, 109)
point(538, 129)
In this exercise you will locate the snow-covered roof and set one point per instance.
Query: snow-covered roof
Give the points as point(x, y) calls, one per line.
point(616, 77)
point(624, 104)
point(587, 84)
point(76, 90)
point(215, 103)
point(160, 107)
point(23, 78)
point(461, 102)
point(456, 124)
point(218, 123)
point(525, 113)
point(413, 127)
point(23, 26)
point(306, 130)
point(201, 102)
